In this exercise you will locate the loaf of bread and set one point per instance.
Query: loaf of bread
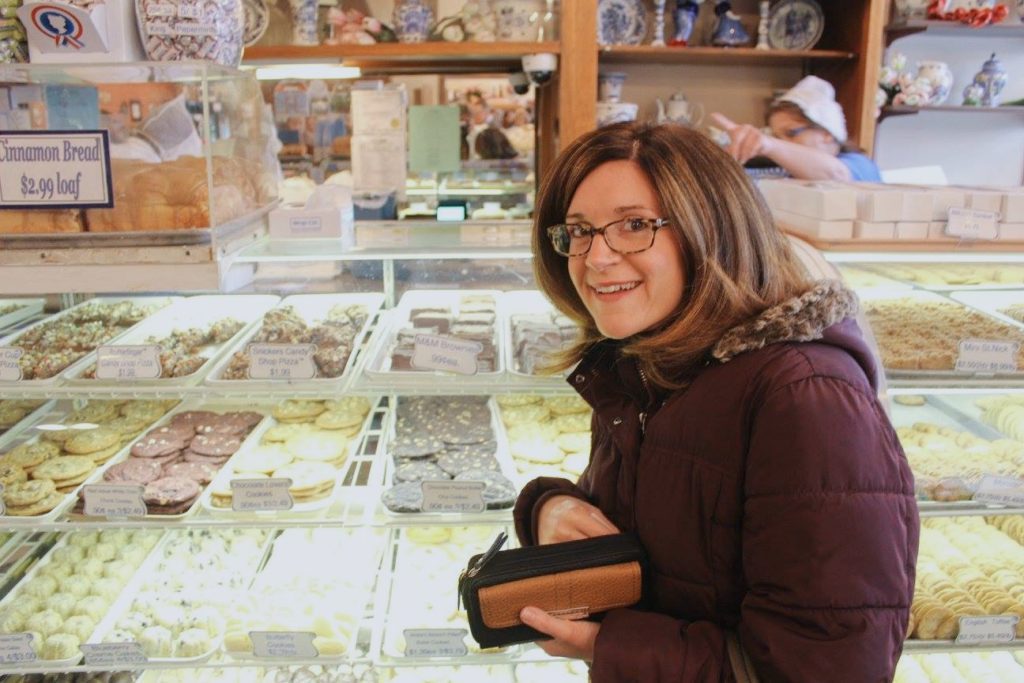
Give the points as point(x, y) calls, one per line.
point(33, 221)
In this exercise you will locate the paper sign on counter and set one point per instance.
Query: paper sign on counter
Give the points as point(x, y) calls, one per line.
point(250, 495)
point(453, 496)
point(995, 490)
point(281, 361)
point(129, 362)
point(113, 654)
point(435, 642)
point(10, 369)
point(115, 501)
point(55, 169)
point(987, 630)
point(987, 356)
point(432, 352)
point(16, 648)
point(283, 644)
point(972, 224)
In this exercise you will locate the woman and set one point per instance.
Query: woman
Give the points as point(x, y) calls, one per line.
point(808, 136)
point(736, 428)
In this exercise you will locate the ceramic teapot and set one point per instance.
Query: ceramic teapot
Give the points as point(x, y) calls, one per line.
point(679, 110)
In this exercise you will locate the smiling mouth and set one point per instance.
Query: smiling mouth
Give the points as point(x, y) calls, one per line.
point(620, 287)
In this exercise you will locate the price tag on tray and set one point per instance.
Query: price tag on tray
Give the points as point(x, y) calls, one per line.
point(114, 501)
point(253, 495)
point(995, 490)
point(16, 648)
point(987, 630)
point(10, 369)
point(129, 362)
point(435, 642)
point(433, 352)
point(972, 224)
point(55, 169)
point(283, 644)
point(987, 356)
point(115, 655)
point(281, 361)
point(453, 496)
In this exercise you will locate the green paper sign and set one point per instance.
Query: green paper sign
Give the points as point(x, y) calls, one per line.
point(434, 138)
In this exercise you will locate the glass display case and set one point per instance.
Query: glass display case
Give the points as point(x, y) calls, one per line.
point(349, 566)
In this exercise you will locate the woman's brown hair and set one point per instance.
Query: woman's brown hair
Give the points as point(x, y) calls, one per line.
point(735, 262)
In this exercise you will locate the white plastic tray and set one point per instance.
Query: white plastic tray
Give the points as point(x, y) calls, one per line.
point(884, 270)
point(516, 303)
point(311, 508)
point(156, 303)
point(313, 308)
point(217, 407)
point(196, 311)
point(24, 423)
point(28, 308)
point(379, 363)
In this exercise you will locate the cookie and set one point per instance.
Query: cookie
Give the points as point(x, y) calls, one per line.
point(176, 456)
point(197, 472)
point(189, 418)
point(263, 459)
point(499, 491)
point(359, 404)
point(170, 491)
point(11, 414)
point(94, 412)
point(517, 400)
point(64, 468)
point(212, 460)
point(29, 455)
point(134, 470)
point(307, 477)
point(173, 432)
point(215, 444)
point(415, 446)
point(574, 422)
point(566, 405)
point(340, 419)
point(574, 441)
point(157, 446)
point(249, 418)
point(453, 434)
point(909, 399)
point(295, 409)
point(11, 473)
point(419, 470)
point(100, 457)
point(575, 463)
point(40, 507)
point(455, 462)
point(280, 433)
point(320, 447)
point(405, 497)
point(537, 450)
point(126, 427)
point(28, 492)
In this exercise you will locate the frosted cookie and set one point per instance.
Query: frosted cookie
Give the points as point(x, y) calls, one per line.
point(518, 400)
point(566, 405)
point(61, 603)
point(574, 422)
point(60, 646)
point(79, 626)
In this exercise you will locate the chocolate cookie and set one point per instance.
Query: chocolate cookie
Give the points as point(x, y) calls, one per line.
point(134, 470)
point(215, 444)
point(499, 491)
point(170, 491)
point(419, 471)
point(157, 446)
point(404, 497)
point(415, 446)
point(455, 462)
point(211, 460)
point(191, 417)
point(197, 472)
point(162, 460)
point(173, 431)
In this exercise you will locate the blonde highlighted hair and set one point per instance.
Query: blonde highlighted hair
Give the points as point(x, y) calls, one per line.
point(736, 263)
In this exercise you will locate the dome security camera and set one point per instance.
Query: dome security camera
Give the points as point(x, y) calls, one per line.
point(540, 67)
point(520, 82)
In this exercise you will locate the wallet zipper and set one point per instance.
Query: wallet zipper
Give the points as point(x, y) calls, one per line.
point(469, 573)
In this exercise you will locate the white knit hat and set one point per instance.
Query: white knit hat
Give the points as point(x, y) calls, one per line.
point(817, 100)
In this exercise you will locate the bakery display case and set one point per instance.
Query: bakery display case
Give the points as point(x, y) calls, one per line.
point(332, 511)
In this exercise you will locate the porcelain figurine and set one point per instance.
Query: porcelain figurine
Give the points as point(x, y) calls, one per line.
point(987, 85)
point(518, 19)
point(609, 85)
point(659, 24)
point(413, 19)
point(679, 110)
point(616, 112)
point(912, 9)
point(684, 16)
point(762, 26)
point(729, 31)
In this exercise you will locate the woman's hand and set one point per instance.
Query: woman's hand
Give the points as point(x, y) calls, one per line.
point(746, 141)
point(571, 638)
point(565, 518)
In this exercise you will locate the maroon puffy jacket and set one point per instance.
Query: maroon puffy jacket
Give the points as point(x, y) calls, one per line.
point(771, 495)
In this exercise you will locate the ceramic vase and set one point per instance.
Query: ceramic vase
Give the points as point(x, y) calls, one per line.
point(609, 85)
point(518, 20)
point(304, 22)
point(412, 19)
point(988, 83)
point(940, 76)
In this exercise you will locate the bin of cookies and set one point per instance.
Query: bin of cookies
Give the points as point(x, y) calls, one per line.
point(547, 436)
point(45, 463)
point(435, 439)
point(324, 331)
point(310, 443)
point(944, 277)
point(463, 316)
point(178, 458)
point(180, 343)
point(60, 601)
point(63, 341)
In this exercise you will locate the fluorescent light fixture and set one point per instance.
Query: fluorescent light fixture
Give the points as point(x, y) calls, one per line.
point(306, 71)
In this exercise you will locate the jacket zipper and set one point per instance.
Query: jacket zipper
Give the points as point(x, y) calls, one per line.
point(647, 389)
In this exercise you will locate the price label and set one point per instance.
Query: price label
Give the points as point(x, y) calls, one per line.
point(283, 644)
point(987, 356)
point(55, 169)
point(113, 654)
point(248, 495)
point(183, 28)
point(160, 9)
point(190, 11)
point(435, 642)
point(114, 501)
point(972, 224)
point(16, 648)
point(432, 352)
point(282, 361)
point(128, 363)
point(987, 630)
point(10, 368)
point(453, 496)
point(995, 490)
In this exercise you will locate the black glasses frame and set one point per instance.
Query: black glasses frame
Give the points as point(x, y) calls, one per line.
point(653, 223)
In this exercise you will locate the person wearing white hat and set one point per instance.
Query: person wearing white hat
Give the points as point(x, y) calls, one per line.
point(807, 139)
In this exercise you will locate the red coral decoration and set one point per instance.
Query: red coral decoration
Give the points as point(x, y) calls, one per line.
point(971, 17)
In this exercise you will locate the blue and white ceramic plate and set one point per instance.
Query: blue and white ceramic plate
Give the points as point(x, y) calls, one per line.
point(795, 25)
point(257, 19)
point(621, 22)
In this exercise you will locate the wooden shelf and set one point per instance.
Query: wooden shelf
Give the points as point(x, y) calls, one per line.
point(908, 111)
point(646, 54)
point(1009, 28)
point(443, 55)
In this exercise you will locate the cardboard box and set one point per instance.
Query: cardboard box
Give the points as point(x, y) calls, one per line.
point(868, 230)
point(877, 204)
point(912, 230)
point(1011, 232)
point(297, 223)
point(814, 227)
point(947, 198)
point(827, 201)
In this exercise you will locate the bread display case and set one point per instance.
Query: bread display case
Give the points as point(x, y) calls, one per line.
point(349, 567)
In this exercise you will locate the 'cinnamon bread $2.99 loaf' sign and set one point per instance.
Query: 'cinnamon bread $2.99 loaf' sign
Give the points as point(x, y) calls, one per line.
point(55, 169)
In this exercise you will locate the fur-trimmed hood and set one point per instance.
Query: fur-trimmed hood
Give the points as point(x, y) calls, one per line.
point(803, 318)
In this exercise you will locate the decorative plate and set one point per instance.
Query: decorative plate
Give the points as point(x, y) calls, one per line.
point(257, 18)
point(621, 22)
point(795, 25)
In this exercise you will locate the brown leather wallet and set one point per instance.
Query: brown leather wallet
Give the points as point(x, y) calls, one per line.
point(573, 580)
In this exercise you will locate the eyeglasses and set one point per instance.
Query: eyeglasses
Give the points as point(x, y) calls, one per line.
point(792, 132)
point(624, 236)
